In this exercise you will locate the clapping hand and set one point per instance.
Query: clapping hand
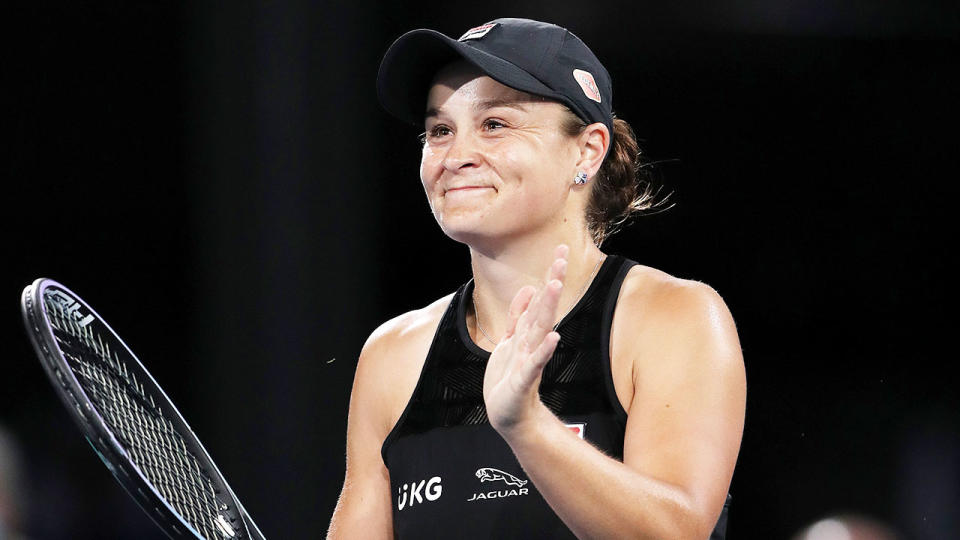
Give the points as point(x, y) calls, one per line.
point(512, 378)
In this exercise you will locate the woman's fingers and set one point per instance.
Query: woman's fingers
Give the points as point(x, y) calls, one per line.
point(542, 355)
point(533, 311)
point(533, 365)
point(556, 271)
point(517, 306)
point(542, 311)
point(529, 342)
point(561, 252)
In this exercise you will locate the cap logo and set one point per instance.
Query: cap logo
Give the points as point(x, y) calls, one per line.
point(587, 84)
point(477, 32)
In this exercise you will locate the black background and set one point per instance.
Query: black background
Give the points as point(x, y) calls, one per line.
point(220, 183)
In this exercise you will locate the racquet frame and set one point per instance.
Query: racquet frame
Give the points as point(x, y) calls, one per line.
point(235, 518)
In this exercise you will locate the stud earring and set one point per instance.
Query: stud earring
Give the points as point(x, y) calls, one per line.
point(580, 178)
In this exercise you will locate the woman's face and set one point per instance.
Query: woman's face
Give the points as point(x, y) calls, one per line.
point(496, 162)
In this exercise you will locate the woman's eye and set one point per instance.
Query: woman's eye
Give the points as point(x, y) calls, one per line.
point(492, 124)
point(438, 131)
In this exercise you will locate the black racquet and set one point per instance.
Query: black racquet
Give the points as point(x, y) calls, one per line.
point(129, 420)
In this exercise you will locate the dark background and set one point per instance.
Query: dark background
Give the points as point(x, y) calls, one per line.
point(219, 182)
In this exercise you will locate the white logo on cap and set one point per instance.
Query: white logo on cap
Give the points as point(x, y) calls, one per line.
point(477, 32)
point(589, 86)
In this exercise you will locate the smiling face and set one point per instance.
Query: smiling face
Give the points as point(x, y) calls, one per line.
point(497, 162)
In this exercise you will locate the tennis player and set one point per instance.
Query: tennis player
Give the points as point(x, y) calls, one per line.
point(562, 391)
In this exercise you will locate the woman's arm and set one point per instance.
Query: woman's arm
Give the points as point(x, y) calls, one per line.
point(683, 430)
point(387, 372)
point(363, 509)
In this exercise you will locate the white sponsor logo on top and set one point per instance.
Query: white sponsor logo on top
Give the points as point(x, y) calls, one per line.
point(431, 489)
point(577, 429)
point(489, 474)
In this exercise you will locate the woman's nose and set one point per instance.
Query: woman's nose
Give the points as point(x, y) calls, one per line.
point(460, 153)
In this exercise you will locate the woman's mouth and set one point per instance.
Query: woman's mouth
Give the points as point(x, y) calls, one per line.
point(466, 190)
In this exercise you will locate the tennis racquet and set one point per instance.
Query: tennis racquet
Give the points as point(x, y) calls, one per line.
point(129, 420)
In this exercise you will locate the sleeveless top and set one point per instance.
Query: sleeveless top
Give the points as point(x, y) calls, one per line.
point(452, 475)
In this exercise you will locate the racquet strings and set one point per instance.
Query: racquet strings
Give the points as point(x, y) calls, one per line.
point(130, 412)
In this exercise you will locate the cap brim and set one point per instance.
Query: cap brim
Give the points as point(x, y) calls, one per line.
point(411, 63)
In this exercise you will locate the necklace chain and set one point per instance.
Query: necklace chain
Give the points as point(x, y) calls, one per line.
point(476, 312)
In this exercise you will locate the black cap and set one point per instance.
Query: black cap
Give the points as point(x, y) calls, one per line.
point(531, 56)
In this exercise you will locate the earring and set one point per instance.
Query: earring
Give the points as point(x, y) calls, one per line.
point(580, 178)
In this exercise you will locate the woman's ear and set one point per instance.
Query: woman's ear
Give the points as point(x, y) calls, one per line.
point(593, 143)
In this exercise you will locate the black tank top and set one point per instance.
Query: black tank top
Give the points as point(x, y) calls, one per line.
point(451, 474)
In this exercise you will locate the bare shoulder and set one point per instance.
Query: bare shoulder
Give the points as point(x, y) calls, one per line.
point(655, 296)
point(406, 329)
point(393, 356)
point(682, 362)
point(663, 322)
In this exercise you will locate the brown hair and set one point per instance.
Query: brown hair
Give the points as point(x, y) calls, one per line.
point(624, 185)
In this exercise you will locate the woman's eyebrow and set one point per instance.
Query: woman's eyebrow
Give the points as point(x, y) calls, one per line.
point(502, 102)
point(484, 105)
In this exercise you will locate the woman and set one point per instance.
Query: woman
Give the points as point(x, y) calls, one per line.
point(561, 392)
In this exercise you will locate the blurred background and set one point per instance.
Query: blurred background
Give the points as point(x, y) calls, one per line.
point(220, 183)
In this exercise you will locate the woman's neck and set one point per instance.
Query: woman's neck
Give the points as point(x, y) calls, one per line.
point(499, 275)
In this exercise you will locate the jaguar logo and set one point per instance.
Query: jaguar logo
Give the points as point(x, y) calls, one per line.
point(489, 474)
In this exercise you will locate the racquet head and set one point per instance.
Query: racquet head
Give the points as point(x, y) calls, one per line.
point(128, 419)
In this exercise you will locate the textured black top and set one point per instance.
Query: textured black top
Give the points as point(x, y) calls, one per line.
point(451, 474)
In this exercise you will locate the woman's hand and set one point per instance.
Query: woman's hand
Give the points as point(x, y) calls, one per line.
point(512, 379)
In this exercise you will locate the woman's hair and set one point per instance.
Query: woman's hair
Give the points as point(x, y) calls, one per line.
point(623, 186)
